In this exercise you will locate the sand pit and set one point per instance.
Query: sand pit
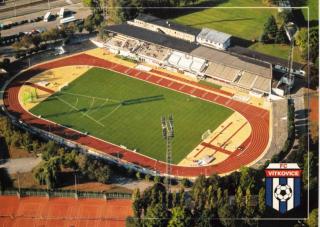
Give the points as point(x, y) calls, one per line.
point(51, 81)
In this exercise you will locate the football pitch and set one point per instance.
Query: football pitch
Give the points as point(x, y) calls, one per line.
point(126, 111)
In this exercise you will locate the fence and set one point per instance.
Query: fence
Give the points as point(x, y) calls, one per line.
point(65, 194)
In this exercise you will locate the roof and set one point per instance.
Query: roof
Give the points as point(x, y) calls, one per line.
point(168, 24)
point(236, 61)
point(153, 37)
point(213, 35)
point(263, 57)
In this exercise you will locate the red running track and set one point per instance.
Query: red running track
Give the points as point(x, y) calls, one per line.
point(257, 117)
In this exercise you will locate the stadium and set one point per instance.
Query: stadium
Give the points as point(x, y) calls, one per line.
point(109, 101)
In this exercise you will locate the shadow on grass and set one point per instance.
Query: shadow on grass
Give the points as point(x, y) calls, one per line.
point(218, 21)
point(171, 13)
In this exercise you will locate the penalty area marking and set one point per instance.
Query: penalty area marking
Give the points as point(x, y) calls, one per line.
point(91, 118)
point(115, 109)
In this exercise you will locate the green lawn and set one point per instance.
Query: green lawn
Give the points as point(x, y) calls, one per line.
point(126, 111)
point(244, 23)
point(278, 50)
point(241, 22)
point(313, 10)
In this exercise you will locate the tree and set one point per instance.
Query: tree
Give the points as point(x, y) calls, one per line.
point(281, 36)
point(226, 214)
point(179, 218)
point(136, 205)
point(246, 180)
point(80, 27)
point(89, 24)
point(285, 17)
point(46, 173)
point(313, 218)
point(49, 150)
point(261, 201)
point(270, 27)
point(156, 216)
point(36, 40)
point(249, 209)
point(302, 41)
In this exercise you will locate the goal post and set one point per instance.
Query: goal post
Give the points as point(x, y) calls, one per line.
point(206, 134)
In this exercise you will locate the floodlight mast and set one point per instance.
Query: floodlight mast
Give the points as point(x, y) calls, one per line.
point(291, 30)
point(168, 134)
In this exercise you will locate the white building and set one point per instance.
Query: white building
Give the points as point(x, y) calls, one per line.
point(213, 38)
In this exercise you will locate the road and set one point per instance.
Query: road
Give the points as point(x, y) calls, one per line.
point(80, 13)
point(39, 8)
point(20, 165)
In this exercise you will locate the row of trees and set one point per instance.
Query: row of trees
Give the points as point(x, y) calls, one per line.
point(118, 11)
point(234, 196)
point(37, 41)
point(56, 159)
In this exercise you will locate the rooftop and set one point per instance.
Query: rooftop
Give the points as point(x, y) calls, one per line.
point(168, 24)
point(236, 61)
point(153, 37)
point(213, 35)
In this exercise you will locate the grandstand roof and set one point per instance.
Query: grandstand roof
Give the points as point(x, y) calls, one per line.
point(152, 37)
point(168, 24)
point(240, 62)
point(213, 35)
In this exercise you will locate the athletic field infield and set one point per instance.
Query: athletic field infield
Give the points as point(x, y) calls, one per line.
point(127, 111)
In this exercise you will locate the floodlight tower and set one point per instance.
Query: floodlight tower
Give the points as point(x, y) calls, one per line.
point(168, 135)
point(290, 29)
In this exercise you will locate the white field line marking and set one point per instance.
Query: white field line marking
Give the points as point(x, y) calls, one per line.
point(80, 111)
point(104, 117)
point(99, 107)
point(77, 100)
point(88, 96)
point(90, 107)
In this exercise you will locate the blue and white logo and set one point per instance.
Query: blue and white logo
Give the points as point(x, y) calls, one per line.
point(283, 186)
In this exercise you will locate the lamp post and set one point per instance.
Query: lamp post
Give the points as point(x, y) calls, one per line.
point(168, 135)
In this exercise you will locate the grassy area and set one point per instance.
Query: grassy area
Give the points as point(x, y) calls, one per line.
point(313, 10)
point(127, 111)
point(240, 22)
point(278, 50)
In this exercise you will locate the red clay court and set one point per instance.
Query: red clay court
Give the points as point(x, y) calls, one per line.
point(254, 146)
point(59, 212)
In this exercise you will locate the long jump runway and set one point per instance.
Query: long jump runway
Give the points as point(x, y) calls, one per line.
point(254, 146)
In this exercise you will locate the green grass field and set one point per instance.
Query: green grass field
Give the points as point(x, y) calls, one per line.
point(126, 111)
point(245, 23)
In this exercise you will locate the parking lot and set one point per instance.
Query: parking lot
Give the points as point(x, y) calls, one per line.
point(17, 8)
point(78, 11)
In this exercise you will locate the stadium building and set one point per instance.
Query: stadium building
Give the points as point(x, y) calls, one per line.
point(193, 52)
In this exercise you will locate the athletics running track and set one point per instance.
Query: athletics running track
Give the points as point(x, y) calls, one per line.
point(257, 117)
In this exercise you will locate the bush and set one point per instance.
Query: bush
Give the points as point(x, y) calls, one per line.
point(147, 177)
point(185, 183)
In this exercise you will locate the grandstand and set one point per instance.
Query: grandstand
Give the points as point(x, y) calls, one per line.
point(152, 54)
point(122, 45)
point(186, 62)
point(237, 70)
point(159, 48)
